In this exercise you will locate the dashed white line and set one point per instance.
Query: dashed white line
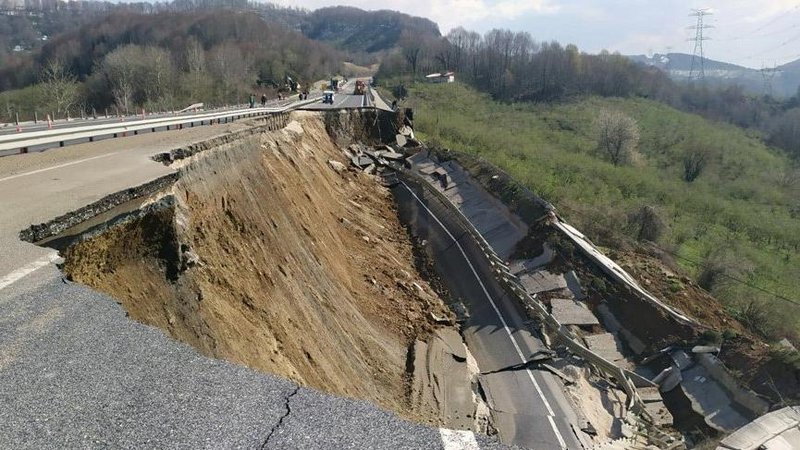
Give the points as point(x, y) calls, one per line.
point(26, 270)
point(536, 386)
point(458, 439)
point(71, 163)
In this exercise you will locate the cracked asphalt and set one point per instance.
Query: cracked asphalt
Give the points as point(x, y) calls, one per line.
point(75, 372)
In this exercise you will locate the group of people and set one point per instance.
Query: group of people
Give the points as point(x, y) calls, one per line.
point(302, 96)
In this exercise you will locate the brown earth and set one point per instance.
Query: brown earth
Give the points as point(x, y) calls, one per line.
point(273, 259)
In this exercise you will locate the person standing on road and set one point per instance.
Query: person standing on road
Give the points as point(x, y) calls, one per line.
point(263, 100)
point(252, 100)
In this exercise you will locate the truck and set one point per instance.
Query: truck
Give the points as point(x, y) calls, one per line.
point(361, 88)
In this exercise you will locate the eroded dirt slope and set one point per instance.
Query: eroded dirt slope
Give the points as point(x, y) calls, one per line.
point(273, 259)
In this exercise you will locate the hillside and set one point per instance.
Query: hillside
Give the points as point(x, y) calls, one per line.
point(129, 60)
point(736, 226)
point(356, 30)
point(785, 82)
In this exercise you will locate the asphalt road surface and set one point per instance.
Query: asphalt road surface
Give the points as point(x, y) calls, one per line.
point(528, 406)
point(25, 127)
point(75, 372)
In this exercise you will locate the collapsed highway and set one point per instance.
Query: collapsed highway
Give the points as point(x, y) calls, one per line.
point(299, 246)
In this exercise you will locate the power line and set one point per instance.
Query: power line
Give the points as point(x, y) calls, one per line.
point(698, 39)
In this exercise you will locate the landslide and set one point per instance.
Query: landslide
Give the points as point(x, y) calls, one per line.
point(270, 258)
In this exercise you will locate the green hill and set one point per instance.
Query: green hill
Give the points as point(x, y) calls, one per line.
point(736, 228)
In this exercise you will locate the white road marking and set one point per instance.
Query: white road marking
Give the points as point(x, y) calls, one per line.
point(536, 386)
point(458, 439)
point(26, 270)
point(71, 163)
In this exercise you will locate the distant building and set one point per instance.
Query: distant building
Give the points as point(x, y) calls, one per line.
point(446, 77)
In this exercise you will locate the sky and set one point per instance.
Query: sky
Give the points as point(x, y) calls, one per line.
point(752, 33)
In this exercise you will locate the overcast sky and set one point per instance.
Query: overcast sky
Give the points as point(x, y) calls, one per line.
point(753, 33)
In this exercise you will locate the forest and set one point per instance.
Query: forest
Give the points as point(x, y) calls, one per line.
point(129, 60)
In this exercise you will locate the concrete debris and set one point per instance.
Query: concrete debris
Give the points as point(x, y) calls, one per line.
point(370, 169)
point(571, 312)
point(336, 165)
point(443, 177)
point(406, 131)
point(609, 346)
point(529, 265)
point(708, 397)
point(401, 140)
point(668, 379)
point(543, 281)
point(654, 405)
point(574, 285)
point(705, 349)
point(362, 161)
point(394, 156)
point(440, 320)
point(775, 430)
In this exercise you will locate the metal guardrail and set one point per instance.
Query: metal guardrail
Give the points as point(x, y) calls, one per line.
point(514, 286)
point(61, 136)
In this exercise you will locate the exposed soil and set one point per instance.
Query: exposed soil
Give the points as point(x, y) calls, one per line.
point(275, 260)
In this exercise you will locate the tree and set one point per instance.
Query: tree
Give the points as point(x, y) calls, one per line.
point(119, 68)
point(647, 224)
point(695, 158)
point(785, 132)
point(617, 136)
point(231, 69)
point(61, 85)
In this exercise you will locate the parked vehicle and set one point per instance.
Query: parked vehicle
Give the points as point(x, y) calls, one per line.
point(327, 97)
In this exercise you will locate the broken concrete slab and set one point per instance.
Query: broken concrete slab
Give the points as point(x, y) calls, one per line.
point(775, 430)
point(574, 285)
point(530, 265)
point(571, 312)
point(443, 177)
point(654, 405)
point(394, 156)
point(710, 400)
point(362, 161)
point(543, 281)
point(401, 140)
point(610, 347)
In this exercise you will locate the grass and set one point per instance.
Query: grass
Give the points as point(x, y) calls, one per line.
point(741, 209)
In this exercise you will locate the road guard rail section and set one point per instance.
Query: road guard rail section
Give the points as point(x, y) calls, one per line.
point(60, 137)
point(626, 379)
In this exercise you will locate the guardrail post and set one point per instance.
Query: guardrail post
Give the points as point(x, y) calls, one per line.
point(16, 115)
point(35, 117)
point(106, 113)
point(94, 113)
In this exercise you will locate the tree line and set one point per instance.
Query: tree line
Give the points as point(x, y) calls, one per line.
point(126, 61)
point(512, 66)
